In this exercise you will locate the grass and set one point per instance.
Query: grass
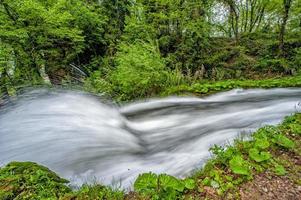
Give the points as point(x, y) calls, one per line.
point(206, 87)
point(270, 149)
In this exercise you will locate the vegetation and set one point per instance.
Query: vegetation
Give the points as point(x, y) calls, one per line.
point(136, 49)
point(272, 150)
point(206, 87)
point(133, 49)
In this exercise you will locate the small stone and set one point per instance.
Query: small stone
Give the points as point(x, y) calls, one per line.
point(265, 189)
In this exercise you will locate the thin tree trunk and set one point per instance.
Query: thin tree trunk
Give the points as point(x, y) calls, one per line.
point(287, 5)
point(4, 93)
point(234, 21)
point(247, 16)
point(260, 18)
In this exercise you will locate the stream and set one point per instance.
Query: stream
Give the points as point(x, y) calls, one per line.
point(86, 139)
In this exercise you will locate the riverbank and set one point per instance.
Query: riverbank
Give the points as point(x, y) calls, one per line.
point(204, 88)
point(266, 167)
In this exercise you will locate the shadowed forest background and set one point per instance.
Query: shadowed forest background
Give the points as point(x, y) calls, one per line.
point(139, 48)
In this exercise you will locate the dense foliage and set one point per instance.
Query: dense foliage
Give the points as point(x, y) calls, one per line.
point(136, 48)
point(272, 149)
point(133, 49)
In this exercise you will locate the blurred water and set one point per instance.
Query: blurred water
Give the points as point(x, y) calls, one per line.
point(85, 140)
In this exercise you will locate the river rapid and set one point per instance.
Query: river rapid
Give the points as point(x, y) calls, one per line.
point(86, 139)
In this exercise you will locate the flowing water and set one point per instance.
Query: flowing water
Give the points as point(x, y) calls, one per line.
point(85, 140)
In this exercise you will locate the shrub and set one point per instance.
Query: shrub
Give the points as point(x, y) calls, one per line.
point(279, 65)
point(97, 84)
point(140, 70)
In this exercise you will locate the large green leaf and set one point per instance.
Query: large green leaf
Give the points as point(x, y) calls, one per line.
point(189, 184)
point(146, 182)
point(167, 181)
point(262, 143)
point(283, 141)
point(239, 166)
point(258, 156)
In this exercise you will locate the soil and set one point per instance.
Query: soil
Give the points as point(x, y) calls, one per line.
point(270, 187)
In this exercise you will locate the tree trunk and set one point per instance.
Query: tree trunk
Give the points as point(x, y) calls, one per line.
point(234, 21)
point(4, 94)
point(287, 5)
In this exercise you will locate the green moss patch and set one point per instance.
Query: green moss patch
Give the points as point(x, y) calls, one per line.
point(28, 180)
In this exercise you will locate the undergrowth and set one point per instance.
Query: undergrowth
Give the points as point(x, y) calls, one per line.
point(205, 87)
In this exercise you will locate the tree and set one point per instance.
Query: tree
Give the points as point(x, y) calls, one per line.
point(140, 70)
point(286, 9)
point(49, 35)
point(233, 17)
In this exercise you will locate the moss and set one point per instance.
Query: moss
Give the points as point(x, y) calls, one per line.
point(27, 180)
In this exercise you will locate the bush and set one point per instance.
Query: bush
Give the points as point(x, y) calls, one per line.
point(279, 65)
point(97, 84)
point(140, 71)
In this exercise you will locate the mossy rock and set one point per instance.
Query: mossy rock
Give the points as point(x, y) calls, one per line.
point(27, 180)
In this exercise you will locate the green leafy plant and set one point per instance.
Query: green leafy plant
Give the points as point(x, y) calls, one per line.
point(146, 183)
point(162, 186)
point(279, 170)
point(223, 155)
point(295, 128)
point(258, 156)
point(283, 141)
point(239, 166)
point(262, 143)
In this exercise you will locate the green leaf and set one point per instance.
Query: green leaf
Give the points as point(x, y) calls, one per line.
point(262, 143)
point(206, 181)
point(146, 182)
point(189, 184)
point(258, 156)
point(283, 141)
point(295, 128)
point(239, 166)
point(167, 181)
point(280, 170)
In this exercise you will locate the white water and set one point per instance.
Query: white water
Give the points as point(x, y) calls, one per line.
point(85, 140)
